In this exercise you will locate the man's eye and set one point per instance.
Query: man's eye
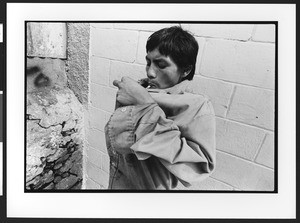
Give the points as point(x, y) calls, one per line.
point(162, 65)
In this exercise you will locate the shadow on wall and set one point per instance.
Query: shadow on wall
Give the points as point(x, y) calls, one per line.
point(54, 128)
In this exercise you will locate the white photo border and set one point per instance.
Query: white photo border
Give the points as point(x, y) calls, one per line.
point(151, 205)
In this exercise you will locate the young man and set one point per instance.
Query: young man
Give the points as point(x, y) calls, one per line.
point(163, 133)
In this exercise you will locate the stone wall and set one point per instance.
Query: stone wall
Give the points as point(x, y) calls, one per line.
point(235, 68)
point(54, 115)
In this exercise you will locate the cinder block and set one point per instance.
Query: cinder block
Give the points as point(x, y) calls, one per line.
point(243, 174)
point(250, 63)
point(120, 69)
point(102, 25)
point(114, 44)
point(98, 118)
point(105, 162)
point(96, 139)
point(201, 43)
point(46, 39)
point(103, 97)
point(92, 185)
point(253, 106)
point(143, 26)
point(96, 174)
point(141, 51)
point(207, 184)
point(237, 139)
point(266, 153)
point(264, 33)
point(219, 92)
point(94, 156)
point(225, 31)
point(99, 70)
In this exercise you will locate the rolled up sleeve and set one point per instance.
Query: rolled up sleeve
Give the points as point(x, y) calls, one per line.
point(182, 138)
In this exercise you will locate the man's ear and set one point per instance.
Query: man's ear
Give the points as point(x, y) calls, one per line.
point(187, 70)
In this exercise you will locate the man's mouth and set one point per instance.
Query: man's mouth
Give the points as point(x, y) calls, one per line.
point(152, 85)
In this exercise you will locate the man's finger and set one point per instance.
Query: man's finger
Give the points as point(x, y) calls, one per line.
point(116, 83)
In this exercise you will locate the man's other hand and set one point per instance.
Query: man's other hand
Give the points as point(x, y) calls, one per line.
point(131, 93)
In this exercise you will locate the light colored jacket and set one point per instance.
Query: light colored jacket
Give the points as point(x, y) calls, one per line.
point(152, 146)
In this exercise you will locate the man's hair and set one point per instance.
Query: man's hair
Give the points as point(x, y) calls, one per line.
point(178, 44)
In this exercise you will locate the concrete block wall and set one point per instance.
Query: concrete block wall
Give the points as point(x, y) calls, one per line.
point(235, 68)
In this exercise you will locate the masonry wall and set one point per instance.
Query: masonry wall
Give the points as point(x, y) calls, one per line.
point(235, 68)
point(54, 114)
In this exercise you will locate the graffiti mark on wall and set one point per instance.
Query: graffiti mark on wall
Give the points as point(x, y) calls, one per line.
point(40, 79)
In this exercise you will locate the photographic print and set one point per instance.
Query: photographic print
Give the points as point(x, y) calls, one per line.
point(110, 103)
point(228, 144)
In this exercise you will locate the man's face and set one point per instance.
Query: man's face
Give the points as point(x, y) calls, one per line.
point(161, 70)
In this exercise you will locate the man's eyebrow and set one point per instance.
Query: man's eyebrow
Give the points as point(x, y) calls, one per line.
point(157, 60)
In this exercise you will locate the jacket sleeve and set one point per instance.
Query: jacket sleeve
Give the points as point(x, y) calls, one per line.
point(182, 138)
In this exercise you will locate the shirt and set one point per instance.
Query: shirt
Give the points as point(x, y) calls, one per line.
point(153, 146)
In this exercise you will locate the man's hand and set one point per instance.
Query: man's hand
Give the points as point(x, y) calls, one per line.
point(131, 93)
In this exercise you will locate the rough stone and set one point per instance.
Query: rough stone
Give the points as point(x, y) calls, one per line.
point(68, 164)
point(44, 72)
point(77, 186)
point(32, 182)
point(77, 65)
point(40, 180)
point(46, 39)
point(65, 175)
point(59, 153)
point(48, 176)
point(32, 172)
point(62, 159)
point(48, 146)
point(49, 187)
point(77, 170)
point(57, 166)
point(53, 106)
point(57, 179)
point(67, 183)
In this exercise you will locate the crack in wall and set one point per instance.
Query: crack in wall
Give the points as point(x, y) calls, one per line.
point(28, 118)
point(54, 151)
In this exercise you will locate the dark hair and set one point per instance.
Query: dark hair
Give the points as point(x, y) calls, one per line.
point(178, 44)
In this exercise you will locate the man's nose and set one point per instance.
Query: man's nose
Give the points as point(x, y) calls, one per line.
point(151, 74)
